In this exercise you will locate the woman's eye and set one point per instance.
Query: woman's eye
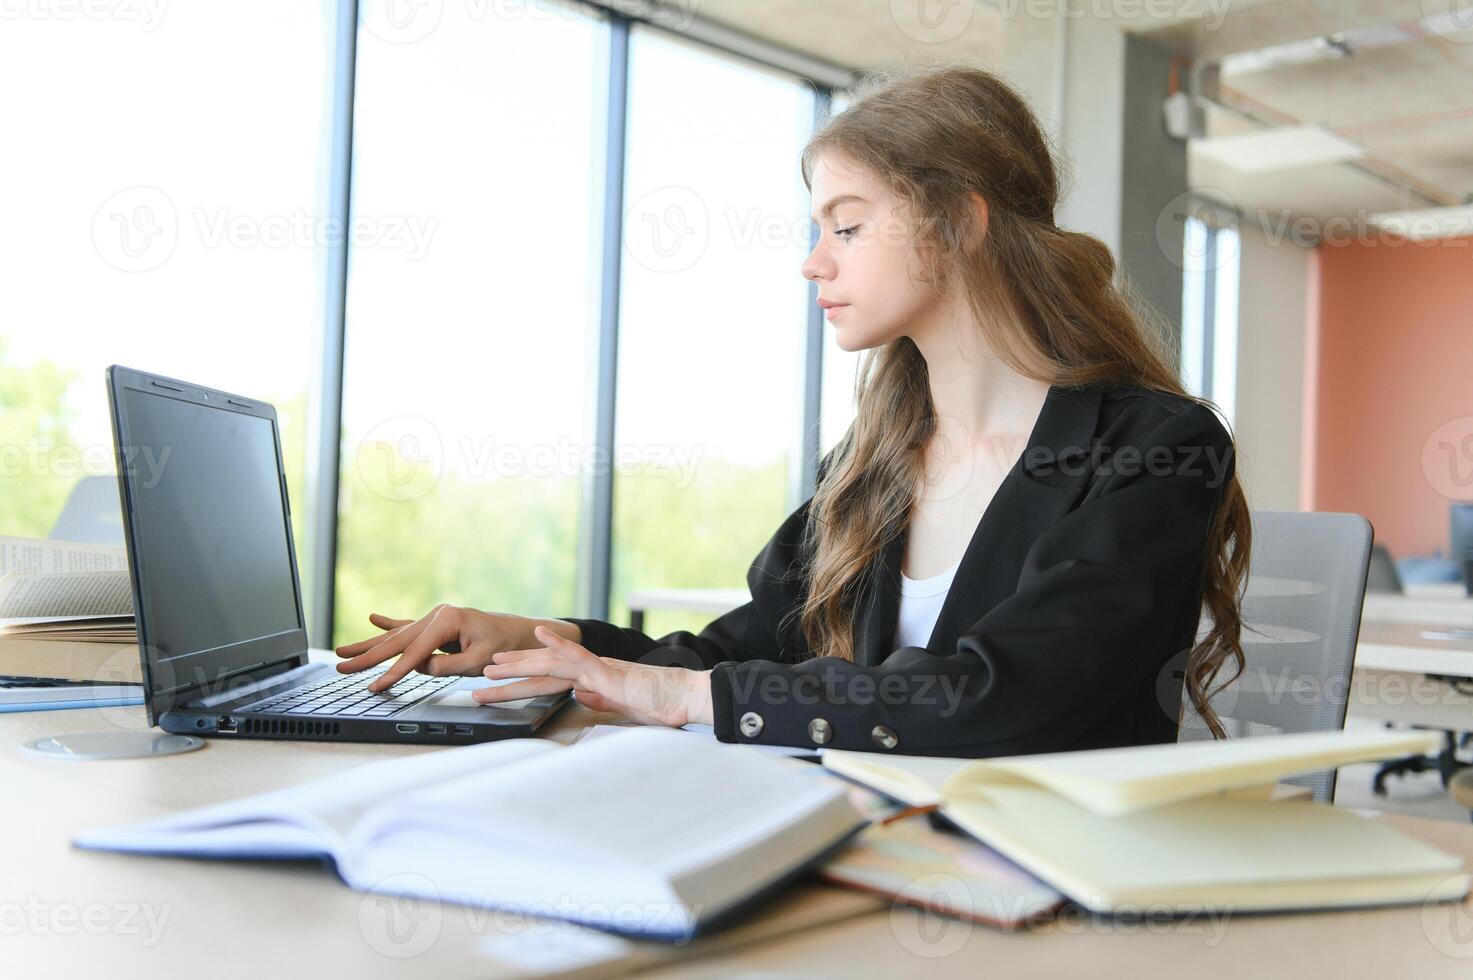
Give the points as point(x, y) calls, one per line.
point(846, 232)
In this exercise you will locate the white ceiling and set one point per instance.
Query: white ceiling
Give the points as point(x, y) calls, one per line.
point(1409, 104)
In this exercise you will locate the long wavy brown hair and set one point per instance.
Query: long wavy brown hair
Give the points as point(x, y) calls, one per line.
point(1049, 304)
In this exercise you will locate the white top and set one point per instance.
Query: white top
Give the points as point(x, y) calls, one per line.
point(920, 604)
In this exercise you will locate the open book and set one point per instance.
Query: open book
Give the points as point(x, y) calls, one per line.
point(648, 832)
point(44, 581)
point(1185, 827)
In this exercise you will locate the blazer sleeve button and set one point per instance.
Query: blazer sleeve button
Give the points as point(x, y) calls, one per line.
point(884, 737)
point(819, 731)
point(750, 724)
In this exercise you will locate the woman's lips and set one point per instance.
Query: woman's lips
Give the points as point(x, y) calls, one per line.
point(831, 311)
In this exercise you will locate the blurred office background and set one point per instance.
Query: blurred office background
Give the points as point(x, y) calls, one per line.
point(523, 277)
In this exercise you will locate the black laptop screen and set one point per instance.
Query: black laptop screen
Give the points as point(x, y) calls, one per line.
point(212, 527)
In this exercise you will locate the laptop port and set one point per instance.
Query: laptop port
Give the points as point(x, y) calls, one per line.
point(406, 728)
point(225, 723)
point(463, 729)
point(437, 729)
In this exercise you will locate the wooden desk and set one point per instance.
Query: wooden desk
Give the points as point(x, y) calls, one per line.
point(158, 916)
point(1448, 610)
point(71, 913)
point(1424, 942)
point(1408, 647)
point(1392, 658)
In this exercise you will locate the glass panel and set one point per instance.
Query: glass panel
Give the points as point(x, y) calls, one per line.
point(472, 311)
point(1225, 324)
point(1193, 305)
point(164, 198)
point(713, 318)
point(840, 367)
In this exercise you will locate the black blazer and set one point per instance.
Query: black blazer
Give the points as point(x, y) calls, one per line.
point(1066, 625)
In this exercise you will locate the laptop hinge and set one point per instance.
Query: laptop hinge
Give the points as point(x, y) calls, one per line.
point(245, 690)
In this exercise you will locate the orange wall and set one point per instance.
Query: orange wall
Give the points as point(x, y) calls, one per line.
point(1391, 364)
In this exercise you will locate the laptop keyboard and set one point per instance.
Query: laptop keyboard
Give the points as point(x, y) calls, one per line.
point(348, 696)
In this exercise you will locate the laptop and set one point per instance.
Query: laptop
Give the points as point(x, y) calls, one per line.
point(217, 598)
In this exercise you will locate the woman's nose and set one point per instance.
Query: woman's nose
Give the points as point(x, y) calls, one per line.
point(817, 266)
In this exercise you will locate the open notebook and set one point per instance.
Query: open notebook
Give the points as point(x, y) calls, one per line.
point(1186, 827)
point(647, 832)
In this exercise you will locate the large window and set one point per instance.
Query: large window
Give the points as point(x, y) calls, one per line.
point(181, 196)
point(712, 322)
point(840, 367)
point(472, 311)
point(1209, 344)
point(164, 201)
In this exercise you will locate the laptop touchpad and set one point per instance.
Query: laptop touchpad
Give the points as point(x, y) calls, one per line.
point(460, 696)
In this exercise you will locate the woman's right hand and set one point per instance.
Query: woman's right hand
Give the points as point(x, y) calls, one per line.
point(473, 635)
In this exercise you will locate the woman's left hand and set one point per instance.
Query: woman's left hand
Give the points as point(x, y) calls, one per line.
point(643, 693)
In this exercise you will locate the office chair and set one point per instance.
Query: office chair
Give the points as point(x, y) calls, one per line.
point(91, 514)
point(1383, 576)
point(1301, 618)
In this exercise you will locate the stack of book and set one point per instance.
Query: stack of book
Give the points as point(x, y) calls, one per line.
point(1180, 828)
point(66, 612)
point(659, 834)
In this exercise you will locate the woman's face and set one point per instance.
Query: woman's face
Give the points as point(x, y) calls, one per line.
point(866, 258)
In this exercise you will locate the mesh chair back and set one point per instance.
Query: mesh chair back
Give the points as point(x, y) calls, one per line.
point(1301, 618)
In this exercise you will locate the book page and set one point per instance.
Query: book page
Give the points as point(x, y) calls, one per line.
point(616, 798)
point(54, 594)
point(1113, 781)
point(1191, 850)
point(1120, 780)
point(47, 555)
point(328, 806)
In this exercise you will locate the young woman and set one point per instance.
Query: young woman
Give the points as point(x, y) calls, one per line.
point(1013, 545)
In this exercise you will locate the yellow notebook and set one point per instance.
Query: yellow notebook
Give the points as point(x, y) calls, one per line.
point(1181, 827)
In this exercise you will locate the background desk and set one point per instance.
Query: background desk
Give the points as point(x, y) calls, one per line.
point(235, 919)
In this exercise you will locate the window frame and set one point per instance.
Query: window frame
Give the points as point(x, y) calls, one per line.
point(324, 449)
